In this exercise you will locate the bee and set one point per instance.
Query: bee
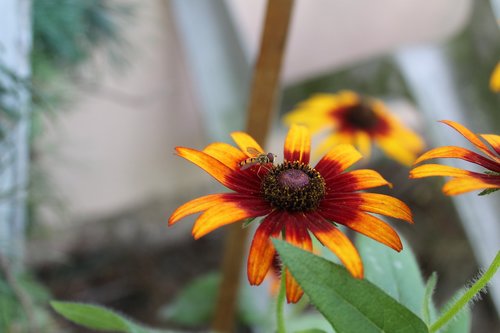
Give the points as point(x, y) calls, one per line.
point(257, 159)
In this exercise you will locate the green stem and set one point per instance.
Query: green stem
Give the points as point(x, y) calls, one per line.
point(280, 302)
point(467, 296)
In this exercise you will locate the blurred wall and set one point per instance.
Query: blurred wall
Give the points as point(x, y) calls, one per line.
point(113, 149)
point(326, 34)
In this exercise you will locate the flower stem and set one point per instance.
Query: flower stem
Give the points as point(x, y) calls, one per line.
point(280, 302)
point(467, 296)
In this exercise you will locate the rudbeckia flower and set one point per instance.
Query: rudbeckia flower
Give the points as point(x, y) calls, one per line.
point(294, 199)
point(495, 78)
point(357, 120)
point(462, 180)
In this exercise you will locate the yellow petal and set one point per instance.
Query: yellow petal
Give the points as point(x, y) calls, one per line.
point(245, 141)
point(461, 185)
point(298, 144)
point(195, 206)
point(226, 153)
point(472, 137)
point(495, 79)
point(429, 170)
point(493, 140)
point(226, 213)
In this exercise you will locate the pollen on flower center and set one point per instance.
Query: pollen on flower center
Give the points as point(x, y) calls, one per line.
point(361, 116)
point(293, 186)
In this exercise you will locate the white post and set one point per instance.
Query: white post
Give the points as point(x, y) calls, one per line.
point(15, 45)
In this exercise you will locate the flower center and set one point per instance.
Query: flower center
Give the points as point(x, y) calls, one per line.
point(293, 186)
point(361, 116)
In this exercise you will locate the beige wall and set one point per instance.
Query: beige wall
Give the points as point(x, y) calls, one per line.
point(326, 34)
point(113, 150)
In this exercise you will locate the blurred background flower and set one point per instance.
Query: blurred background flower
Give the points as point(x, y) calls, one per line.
point(357, 120)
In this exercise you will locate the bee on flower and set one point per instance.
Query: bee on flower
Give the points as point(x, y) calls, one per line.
point(357, 120)
point(463, 180)
point(294, 199)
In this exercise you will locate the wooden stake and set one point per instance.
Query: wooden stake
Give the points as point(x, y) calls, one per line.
point(263, 99)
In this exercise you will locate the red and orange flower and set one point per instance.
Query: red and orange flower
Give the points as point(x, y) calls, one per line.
point(294, 199)
point(357, 120)
point(463, 180)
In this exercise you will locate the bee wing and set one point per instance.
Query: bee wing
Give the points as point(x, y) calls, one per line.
point(252, 151)
point(248, 165)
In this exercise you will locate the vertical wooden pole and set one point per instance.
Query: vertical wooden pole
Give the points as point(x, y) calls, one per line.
point(263, 99)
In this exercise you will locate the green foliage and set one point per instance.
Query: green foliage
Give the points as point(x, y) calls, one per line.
point(349, 304)
point(13, 315)
point(397, 273)
point(65, 32)
point(428, 306)
point(99, 318)
point(194, 306)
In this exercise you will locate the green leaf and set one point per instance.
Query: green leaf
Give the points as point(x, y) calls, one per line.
point(397, 273)
point(488, 191)
point(194, 305)
point(98, 318)
point(349, 304)
point(428, 306)
point(305, 321)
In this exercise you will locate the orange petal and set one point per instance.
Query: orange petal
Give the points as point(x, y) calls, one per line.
point(460, 153)
point(298, 144)
point(337, 160)
point(227, 154)
point(354, 181)
point(493, 140)
point(429, 170)
point(466, 184)
point(262, 250)
point(245, 141)
point(338, 243)
point(211, 165)
point(293, 290)
point(195, 206)
point(225, 175)
point(473, 138)
point(297, 235)
point(373, 203)
point(366, 224)
point(228, 212)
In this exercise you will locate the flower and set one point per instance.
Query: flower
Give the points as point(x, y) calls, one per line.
point(357, 120)
point(463, 180)
point(495, 78)
point(294, 199)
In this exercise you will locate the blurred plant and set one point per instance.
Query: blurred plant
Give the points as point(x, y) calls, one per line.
point(462, 180)
point(22, 302)
point(65, 34)
point(357, 120)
